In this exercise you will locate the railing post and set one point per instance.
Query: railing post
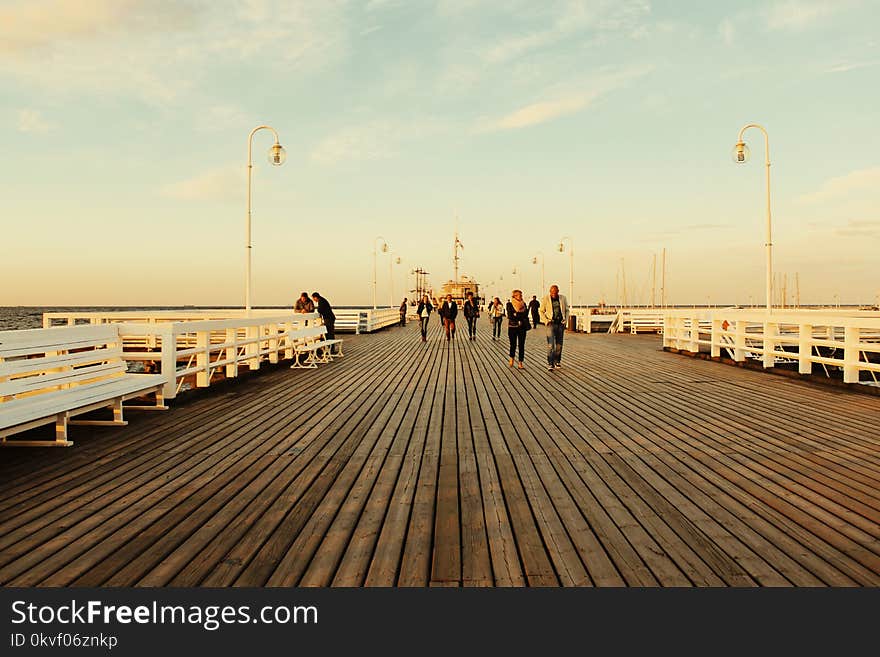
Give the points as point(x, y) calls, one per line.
point(203, 358)
point(288, 341)
point(253, 348)
point(273, 343)
point(694, 346)
point(739, 344)
point(769, 344)
point(169, 361)
point(716, 337)
point(805, 349)
point(851, 337)
point(232, 352)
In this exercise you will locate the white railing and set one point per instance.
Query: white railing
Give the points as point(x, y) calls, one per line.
point(365, 321)
point(839, 340)
point(624, 320)
point(184, 344)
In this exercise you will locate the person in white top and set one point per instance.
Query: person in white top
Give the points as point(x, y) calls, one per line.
point(496, 316)
point(424, 311)
point(554, 313)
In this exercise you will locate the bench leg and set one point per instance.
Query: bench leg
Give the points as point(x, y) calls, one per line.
point(307, 364)
point(117, 420)
point(61, 422)
point(160, 403)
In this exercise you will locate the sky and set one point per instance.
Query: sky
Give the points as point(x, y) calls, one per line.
point(124, 129)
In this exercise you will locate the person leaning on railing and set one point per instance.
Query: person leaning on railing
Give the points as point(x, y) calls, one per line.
point(304, 304)
point(323, 308)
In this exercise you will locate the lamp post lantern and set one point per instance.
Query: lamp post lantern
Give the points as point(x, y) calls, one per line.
point(391, 262)
point(535, 262)
point(384, 250)
point(741, 156)
point(277, 156)
point(570, 266)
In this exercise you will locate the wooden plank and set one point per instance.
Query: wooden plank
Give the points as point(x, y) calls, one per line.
point(434, 464)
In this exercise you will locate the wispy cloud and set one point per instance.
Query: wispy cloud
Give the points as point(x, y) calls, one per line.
point(859, 228)
point(374, 140)
point(157, 51)
point(561, 103)
point(45, 23)
point(727, 30)
point(33, 122)
point(223, 184)
point(841, 187)
point(540, 112)
point(843, 67)
point(803, 14)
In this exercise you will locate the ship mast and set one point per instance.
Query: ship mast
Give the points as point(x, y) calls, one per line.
point(455, 247)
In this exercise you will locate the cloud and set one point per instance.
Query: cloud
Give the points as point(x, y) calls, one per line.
point(859, 228)
point(841, 187)
point(44, 23)
point(562, 104)
point(843, 67)
point(31, 121)
point(727, 30)
point(224, 184)
point(158, 51)
point(221, 118)
point(568, 20)
point(375, 140)
point(797, 15)
point(541, 112)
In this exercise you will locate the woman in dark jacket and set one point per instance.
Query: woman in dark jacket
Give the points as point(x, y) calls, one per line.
point(517, 325)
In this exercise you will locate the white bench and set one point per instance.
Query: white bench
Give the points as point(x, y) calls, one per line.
point(51, 375)
point(311, 341)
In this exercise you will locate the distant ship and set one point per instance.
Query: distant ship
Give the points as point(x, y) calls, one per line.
point(459, 286)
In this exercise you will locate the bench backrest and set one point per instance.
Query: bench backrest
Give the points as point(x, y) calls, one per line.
point(308, 334)
point(37, 361)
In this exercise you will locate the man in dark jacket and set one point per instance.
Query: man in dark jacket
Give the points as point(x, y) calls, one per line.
point(471, 313)
point(534, 307)
point(403, 312)
point(322, 307)
point(449, 311)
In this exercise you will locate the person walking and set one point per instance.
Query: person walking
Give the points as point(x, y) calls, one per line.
point(534, 305)
point(449, 311)
point(554, 313)
point(517, 325)
point(424, 311)
point(403, 312)
point(496, 317)
point(323, 308)
point(471, 313)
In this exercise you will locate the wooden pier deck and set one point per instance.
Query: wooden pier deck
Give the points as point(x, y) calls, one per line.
point(410, 464)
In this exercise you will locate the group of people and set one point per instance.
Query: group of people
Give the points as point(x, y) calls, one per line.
point(320, 305)
point(552, 311)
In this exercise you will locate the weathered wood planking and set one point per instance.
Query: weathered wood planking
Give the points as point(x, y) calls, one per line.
point(411, 464)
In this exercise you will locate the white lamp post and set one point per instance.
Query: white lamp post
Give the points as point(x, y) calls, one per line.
point(570, 266)
point(535, 262)
point(277, 156)
point(384, 250)
point(392, 261)
point(741, 156)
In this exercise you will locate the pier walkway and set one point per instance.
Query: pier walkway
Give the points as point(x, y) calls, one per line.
point(431, 464)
